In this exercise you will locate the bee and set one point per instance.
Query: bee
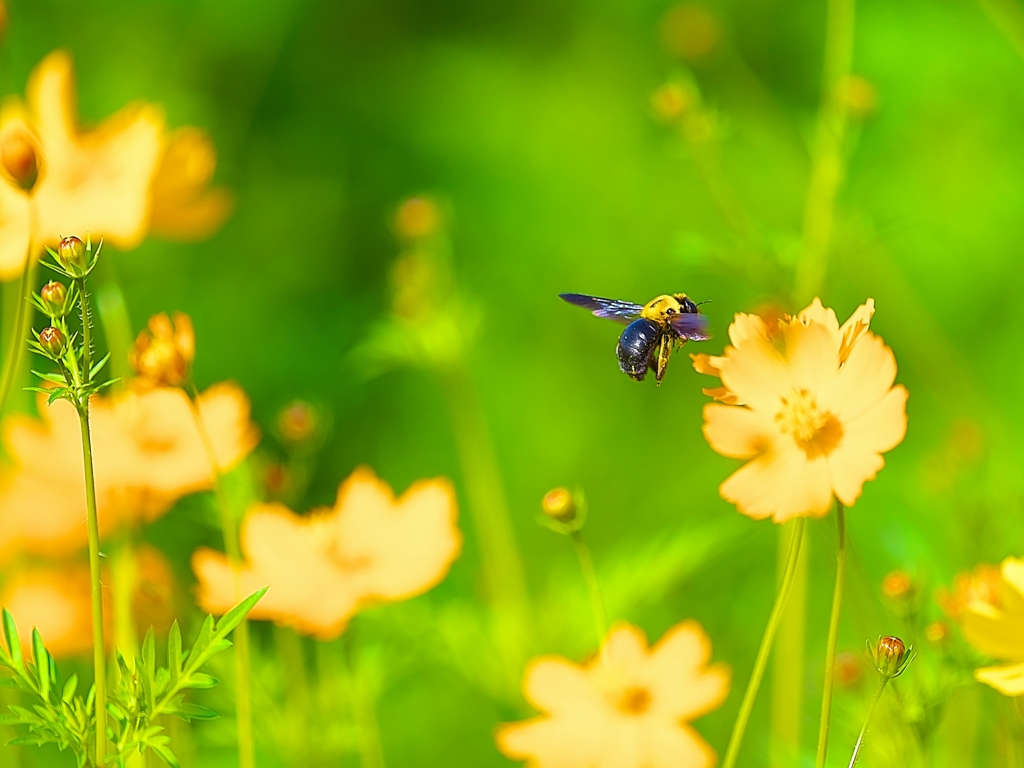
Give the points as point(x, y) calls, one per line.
point(653, 330)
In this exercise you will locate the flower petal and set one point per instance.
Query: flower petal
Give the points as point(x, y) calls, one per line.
point(994, 632)
point(736, 431)
point(813, 357)
point(781, 485)
point(864, 380)
point(565, 742)
point(817, 314)
point(745, 327)
point(756, 372)
point(183, 205)
point(679, 747)
point(1008, 680)
point(556, 686)
point(684, 689)
point(856, 325)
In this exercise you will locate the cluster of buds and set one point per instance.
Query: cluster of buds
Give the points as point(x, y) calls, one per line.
point(563, 511)
point(891, 656)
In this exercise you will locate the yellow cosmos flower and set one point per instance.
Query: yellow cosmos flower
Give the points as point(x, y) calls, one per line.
point(994, 624)
point(629, 707)
point(147, 450)
point(325, 567)
point(162, 354)
point(116, 180)
point(57, 601)
point(811, 406)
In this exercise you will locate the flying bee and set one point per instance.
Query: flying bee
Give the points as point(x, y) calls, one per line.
point(653, 330)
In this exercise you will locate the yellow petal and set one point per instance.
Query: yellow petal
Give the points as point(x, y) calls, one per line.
point(864, 380)
point(14, 230)
point(736, 431)
point(854, 327)
point(556, 686)
point(746, 327)
point(97, 181)
point(817, 314)
point(1008, 680)
point(994, 632)
point(706, 364)
point(183, 205)
point(757, 374)
point(679, 747)
point(566, 742)
point(624, 653)
point(780, 485)
point(684, 687)
point(813, 357)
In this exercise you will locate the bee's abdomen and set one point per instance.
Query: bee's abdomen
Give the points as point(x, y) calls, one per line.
point(636, 344)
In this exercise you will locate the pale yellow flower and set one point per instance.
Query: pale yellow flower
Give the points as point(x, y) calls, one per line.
point(162, 354)
point(116, 180)
point(811, 406)
point(628, 707)
point(994, 624)
point(325, 567)
point(148, 453)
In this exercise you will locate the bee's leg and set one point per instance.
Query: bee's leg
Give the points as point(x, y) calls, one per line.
point(664, 353)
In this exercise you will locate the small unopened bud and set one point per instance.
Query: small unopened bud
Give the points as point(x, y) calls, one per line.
point(849, 669)
point(560, 505)
point(72, 255)
point(859, 96)
point(937, 632)
point(19, 157)
point(54, 296)
point(671, 101)
point(298, 422)
point(52, 340)
point(897, 585)
point(417, 217)
point(891, 657)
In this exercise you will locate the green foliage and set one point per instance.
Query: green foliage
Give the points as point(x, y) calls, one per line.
point(143, 693)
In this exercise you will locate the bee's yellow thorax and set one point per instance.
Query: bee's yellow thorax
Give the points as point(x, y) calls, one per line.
point(657, 308)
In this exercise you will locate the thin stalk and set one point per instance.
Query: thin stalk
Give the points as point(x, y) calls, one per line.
point(833, 636)
point(828, 164)
point(19, 332)
point(99, 657)
point(296, 681)
point(371, 753)
point(243, 697)
point(590, 576)
point(867, 721)
point(747, 706)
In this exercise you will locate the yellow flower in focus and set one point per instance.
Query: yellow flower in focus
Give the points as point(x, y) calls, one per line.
point(57, 601)
point(116, 180)
point(325, 567)
point(162, 355)
point(995, 626)
point(147, 450)
point(629, 707)
point(811, 406)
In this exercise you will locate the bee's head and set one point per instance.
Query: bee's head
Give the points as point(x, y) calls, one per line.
point(686, 304)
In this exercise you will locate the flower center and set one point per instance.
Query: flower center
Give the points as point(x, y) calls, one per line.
point(635, 701)
point(815, 431)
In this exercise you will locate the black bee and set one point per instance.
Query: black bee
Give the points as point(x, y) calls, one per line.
point(653, 330)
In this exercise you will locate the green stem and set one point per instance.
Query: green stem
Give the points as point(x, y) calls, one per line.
point(113, 311)
point(827, 161)
point(833, 636)
point(99, 660)
point(867, 721)
point(296, 680)
point(19, 333)
point(747, 706)
point(590, 576)
point(243, 698)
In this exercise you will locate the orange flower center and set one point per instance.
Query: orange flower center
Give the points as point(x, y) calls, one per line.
point(635, 701)
point(815, 431)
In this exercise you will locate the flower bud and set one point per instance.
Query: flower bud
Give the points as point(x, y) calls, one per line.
point(297, 422)
point(417, 218)
point(53, 296)
point(72, 255)
point(849, 669)
point(52, 341)
point(891, 656)
point(671, 101)
point(19, 157)
point(937, 632)
point(560, 505)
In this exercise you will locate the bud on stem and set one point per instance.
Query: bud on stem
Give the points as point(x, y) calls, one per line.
point(53, 342)
point(54, 296)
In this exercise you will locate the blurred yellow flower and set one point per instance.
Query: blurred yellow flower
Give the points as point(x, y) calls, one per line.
point(983, 585)
point(810, 404)
point(57, 602)
point(162, 355)
point(629, 707)
point(115, 180)
point(995, 626)
point(325, 567)
point(148, 453)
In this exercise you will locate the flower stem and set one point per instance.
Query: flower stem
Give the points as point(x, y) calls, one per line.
point(596, 603)
point(99, 661)
point(867, 721)
point(229, 531)
point(828, 161)
point(371, 754)
point(19, 331)
point(747, 706)
point(833, 636)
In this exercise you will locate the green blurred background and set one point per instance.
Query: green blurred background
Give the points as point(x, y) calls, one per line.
point(532, 124)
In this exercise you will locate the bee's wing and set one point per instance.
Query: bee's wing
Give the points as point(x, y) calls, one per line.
point(691, 326)
point(620, 311)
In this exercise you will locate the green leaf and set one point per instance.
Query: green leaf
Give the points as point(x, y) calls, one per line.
point(174, 652)
point(13, 642)
point(189, 711)
point(56, 378)
point(202, 640)
point(9, 682)
point(42, 659)
point(69, 688)
point(200, 680)
point(165, 754)
point(97, 367)
point(147, 664)
point(234, 617)
point(35, 741)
